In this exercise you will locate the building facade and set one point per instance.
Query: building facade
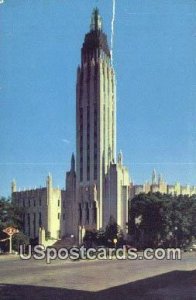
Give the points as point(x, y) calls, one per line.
point(158, 184)
point(98, 187)
point(41, 208)
point(96, 132)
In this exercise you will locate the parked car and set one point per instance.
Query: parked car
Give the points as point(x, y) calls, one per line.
point(191, 247)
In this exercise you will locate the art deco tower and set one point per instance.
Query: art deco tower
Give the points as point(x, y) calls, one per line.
point(99, 187)
point(95, 124)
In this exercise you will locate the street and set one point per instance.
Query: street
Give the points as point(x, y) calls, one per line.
point(115, 279)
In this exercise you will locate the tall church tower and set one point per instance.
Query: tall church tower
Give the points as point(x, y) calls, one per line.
point(95, 124)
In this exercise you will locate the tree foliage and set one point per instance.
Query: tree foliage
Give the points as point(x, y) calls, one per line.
point(112, 229)
point(103, 237)
point(161, 219)
point(10, 215)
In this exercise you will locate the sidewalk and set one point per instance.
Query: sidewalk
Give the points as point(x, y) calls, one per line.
point(8, 256)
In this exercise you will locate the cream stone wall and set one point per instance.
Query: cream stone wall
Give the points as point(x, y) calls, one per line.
point(33, 202)
point(159, 185)
point(117, 194)
point(41, 208)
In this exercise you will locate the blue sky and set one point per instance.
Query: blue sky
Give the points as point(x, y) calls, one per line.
point(155, 63)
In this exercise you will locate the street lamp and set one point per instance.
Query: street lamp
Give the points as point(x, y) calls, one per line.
point(115, 241)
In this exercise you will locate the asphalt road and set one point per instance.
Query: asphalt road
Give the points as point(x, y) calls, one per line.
point(115, 279)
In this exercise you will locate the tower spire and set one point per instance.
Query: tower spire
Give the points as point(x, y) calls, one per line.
point(13, 186)
point(154, 177)
point(96, 21)
point(72, 162)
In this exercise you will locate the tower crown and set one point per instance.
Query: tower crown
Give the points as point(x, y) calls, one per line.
point(96, 20)
point(95, 41)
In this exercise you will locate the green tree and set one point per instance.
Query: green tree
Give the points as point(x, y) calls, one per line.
point(11, 215)
point(112, 231)
point(157, 219)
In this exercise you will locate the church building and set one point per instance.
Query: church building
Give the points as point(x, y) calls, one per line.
point(98, 184)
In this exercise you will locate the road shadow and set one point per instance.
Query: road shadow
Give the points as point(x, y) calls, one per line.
point(172, 285)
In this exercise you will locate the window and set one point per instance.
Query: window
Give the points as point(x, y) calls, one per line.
point(34, 224)
point(58, 203)
point(94, 212)
point(28, 217)
point(23, 219)
point(95, 171)
point(81, 174)
point(29, 224)
point(58, 216)
point(80, 213)
point(87, 213)
point(40, 219)
point(88, 172)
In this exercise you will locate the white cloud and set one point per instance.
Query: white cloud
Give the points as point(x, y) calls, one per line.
point(65, 141)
